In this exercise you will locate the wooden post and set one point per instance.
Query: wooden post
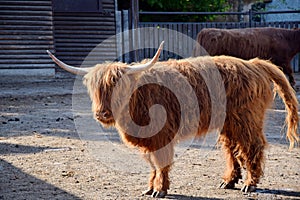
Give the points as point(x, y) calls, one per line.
point(126, 36)
point(134, 20)
point(240, 9)
point(250, 17)
point(134, 7)
point(119, 36)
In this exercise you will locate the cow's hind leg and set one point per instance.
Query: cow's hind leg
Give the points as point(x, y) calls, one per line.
point(233, 167)
point(254, 160)
point(287, 69)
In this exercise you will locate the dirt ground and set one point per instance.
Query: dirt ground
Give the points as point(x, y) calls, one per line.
point(42, 156)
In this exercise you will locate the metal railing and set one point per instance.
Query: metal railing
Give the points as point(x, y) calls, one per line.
point(158, 31)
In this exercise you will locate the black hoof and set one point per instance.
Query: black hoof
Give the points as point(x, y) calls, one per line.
point(225, 185)
point(159, 194)
point(248, 188)
point(147, 192)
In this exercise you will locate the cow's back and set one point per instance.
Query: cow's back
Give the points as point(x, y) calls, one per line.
point(242, 43)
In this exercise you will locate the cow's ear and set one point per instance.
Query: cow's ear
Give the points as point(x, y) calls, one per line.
point(113, 80)
point(119, 73)
point(84, 80)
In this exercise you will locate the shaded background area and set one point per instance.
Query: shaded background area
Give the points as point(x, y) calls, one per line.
point(16, 184)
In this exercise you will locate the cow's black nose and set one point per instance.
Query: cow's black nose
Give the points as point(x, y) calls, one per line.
point(104, 114)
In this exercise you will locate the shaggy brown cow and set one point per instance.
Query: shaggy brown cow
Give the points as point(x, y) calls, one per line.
point(248, 90)
point(275, 44)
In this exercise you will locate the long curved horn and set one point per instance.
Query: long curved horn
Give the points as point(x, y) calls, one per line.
point(71, 69)
point(142, 67)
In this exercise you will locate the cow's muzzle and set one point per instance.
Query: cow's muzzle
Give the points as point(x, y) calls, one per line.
point(104, 116)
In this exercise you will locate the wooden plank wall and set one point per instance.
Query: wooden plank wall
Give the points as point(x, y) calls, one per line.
point(26, 32)
point(77, 34)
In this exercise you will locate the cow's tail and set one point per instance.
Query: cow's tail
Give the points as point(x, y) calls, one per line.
point(287, 93)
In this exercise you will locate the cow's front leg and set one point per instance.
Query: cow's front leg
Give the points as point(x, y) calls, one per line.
point(158, 181)
point(161, 182)
point(162, 159)
point(149, 191)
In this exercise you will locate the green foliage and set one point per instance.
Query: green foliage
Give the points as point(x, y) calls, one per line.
point(183, 6)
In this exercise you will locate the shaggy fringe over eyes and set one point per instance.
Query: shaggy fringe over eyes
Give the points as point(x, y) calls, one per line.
point(100, 82)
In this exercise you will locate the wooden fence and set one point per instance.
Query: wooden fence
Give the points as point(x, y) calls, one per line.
point(141, 43)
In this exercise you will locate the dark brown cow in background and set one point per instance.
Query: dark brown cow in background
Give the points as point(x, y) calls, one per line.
point(275, 44)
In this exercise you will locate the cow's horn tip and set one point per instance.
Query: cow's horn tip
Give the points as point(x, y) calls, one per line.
point(48, 52)
point(161, 44)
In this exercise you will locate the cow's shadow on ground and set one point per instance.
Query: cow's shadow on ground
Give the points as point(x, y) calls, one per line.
point(14, 182)
point(282, 192)
point(8, 148)
point(183, 197)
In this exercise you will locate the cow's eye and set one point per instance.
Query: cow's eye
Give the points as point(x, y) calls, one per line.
point(113, 80)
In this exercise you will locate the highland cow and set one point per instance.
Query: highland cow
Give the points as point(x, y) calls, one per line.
point(248, 93)
point(275, 44)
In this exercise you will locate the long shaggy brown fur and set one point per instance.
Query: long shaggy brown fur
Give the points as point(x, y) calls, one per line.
point(275, 44)
point(248, 88)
